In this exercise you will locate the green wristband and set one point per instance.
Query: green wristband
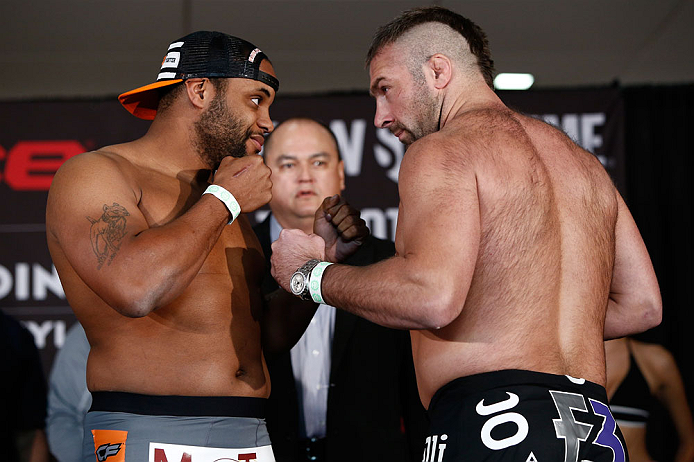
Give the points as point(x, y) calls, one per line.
point(227, 199)
point(314, 285)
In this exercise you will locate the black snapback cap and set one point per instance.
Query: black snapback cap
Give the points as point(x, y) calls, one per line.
point(200, 54)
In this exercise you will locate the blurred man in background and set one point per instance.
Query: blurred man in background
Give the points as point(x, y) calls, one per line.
point(347, 387)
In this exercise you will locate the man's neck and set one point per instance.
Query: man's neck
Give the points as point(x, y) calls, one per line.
point(169, 147)
point(466, 97)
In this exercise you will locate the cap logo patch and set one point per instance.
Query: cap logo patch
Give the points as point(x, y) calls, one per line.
point(171, 60)
point(166, 75)
point(176, 45)
point(254, 53)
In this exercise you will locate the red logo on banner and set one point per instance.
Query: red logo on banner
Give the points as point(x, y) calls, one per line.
point(31, 165)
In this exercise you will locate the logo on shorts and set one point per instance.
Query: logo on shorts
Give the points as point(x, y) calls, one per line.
point(105, 451)
point(109, 445)
point(166, 452)
point(431, 448)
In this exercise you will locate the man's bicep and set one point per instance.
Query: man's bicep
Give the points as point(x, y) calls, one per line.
point(92, 217)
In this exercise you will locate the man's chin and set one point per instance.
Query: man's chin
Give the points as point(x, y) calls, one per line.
point(406, 138)
point(307, 206)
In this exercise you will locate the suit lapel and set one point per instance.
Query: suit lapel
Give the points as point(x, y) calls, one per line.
point(262, 230)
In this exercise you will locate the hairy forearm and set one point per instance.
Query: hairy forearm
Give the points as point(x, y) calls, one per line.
point(392, 293)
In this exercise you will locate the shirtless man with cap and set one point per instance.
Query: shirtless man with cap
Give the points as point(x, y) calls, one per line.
point(165, 275)
point(515, 257)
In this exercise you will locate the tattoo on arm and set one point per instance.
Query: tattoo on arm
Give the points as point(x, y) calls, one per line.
point(106, 233)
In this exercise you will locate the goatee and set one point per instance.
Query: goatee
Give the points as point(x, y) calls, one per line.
point(219, 133)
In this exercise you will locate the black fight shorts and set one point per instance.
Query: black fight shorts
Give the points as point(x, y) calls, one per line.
point(523, 416)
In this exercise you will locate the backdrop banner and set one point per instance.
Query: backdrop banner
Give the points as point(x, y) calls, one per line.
point(37, 137)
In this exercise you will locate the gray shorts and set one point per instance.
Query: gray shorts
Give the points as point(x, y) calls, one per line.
point(127, 427)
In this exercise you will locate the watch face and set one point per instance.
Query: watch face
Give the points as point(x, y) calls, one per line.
point(298, 282)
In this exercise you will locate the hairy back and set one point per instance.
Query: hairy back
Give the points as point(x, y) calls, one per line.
point(541, 281)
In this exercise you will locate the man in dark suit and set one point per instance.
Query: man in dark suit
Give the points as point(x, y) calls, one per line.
point(347, 389)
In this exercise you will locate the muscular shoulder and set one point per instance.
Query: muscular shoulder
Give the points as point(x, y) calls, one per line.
point(447, 152)
point(92, 162)
point(94, 167)
point(487, 137)
point(85, 176)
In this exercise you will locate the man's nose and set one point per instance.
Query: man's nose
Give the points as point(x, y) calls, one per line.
point(383, 117)
point(304, 172)
point(265, 122)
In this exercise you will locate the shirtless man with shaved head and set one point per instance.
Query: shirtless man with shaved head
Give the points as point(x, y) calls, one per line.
point(516, 257)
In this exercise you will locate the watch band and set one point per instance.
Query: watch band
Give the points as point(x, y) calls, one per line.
point(314, 283)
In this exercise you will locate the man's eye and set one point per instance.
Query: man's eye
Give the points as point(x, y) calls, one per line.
point(285, 166)
point(256, 101)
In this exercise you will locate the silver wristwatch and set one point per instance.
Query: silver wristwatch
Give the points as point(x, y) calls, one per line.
point(300, 279)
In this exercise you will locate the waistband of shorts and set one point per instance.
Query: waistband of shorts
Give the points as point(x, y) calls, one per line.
point(510, 377)
point(186, 406)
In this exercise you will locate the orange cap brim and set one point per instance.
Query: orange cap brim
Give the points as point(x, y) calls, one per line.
point(142, 102)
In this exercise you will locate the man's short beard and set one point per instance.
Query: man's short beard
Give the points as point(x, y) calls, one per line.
point(218, 133)
point(424, 111)
point(427, 112)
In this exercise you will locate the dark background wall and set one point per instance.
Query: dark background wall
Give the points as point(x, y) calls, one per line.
point(659, 172)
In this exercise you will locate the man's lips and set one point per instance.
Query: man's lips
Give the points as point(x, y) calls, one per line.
point(258, 140)
point(304, 193)
point(398, 133)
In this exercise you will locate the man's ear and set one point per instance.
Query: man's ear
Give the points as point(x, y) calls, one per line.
point(440, 70)
point(341, 174)
point(199, 91)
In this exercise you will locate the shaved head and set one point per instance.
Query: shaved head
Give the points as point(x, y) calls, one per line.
point(424, 32)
